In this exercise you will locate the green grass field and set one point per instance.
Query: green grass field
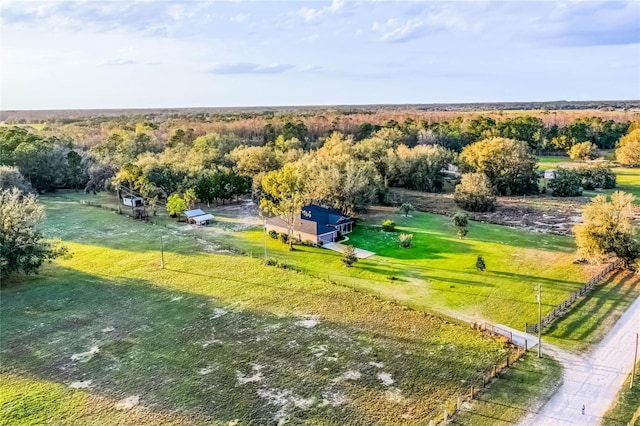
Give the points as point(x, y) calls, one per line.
point(212, 338)
point(509, 398)
point(626, 405)
point(438, 273)
point(590, 319)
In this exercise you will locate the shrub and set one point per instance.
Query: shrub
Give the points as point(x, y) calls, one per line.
point(567, 183)
point(388, 226)
point(628, 150)
point(597, 177)
point(406, 208)
point(461, 221)
point(480, 265)
point(349, 256)
point(273, 234)
point(462, 232)
point(474, 193)
point(405, 240)
point(284, 237)
point(583, 151)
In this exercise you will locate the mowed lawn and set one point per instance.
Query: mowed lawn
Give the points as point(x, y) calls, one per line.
point(438, 272)
point(107, 337)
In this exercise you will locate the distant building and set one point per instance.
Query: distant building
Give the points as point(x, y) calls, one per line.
point(549, 174)
point(316, 224)
point(198, 217)
point(132, 201)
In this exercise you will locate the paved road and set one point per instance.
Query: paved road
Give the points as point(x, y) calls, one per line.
point(592, 379)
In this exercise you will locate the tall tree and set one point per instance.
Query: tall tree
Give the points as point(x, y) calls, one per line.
point(608, 228)
point(22, 246)
point(628, 151)
point(508, 163)
point(284, 195)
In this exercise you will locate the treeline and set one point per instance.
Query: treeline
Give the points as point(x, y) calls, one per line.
point(346, 171)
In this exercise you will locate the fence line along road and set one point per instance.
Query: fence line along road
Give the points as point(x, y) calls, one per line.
point(559, 310)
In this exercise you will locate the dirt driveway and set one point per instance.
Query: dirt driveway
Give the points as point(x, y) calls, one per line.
point(592, 379)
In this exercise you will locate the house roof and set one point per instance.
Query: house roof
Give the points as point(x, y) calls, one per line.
point(303, 226)
point(194, 213)
point(324, 215)
point(203, 217)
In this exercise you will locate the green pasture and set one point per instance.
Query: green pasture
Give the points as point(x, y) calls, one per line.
point(213, 338)
point(438, 273)
point(509, 398)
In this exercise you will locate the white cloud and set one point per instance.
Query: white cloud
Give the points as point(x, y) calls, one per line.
point(248, 68)
point(238, 18)
point(311, 14)
point(410, 30)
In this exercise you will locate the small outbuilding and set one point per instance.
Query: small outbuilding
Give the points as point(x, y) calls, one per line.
point(132, 201)
point(198, 217)
point(549, 174)
point(204, 219)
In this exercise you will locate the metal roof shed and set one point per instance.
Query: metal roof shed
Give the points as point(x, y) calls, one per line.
point(194, 213)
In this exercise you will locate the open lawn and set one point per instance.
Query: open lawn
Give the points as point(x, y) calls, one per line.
point(509, 397)
point(590, 319)
point(438, 273)
point(108, 337)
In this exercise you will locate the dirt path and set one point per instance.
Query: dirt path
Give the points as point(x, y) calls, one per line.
point(592, 379)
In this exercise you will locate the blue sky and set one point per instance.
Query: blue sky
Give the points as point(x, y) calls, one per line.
point(146, 53)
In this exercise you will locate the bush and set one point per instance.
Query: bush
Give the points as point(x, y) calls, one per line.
point(597, 177)
point(474, 193)
point(349, 256)
point(388, 226)
point(273, 234)
point(628, 150)
point(461, 220)
point(405, 240)
point(283, 237)
point(406, 208)
point(462, 232)
point(583, 151)
point(567, 183)
point(480, 265)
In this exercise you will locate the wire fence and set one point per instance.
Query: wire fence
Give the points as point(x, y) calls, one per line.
point(559, 310)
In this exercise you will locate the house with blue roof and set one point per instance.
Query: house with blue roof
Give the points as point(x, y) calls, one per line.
point(316, 224)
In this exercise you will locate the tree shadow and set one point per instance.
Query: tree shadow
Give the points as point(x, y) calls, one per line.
point(210, 357)
point(574, 319)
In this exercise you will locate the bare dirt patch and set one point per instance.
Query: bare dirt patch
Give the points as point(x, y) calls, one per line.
point(533, 213)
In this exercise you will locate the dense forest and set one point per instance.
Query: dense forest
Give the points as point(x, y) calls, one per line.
point(342, 158)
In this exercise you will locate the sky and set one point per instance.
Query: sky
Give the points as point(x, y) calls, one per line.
point(160, 54)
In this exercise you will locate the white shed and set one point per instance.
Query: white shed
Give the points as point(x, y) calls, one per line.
point(131, 201)
point(549, 174)
point(204, 219)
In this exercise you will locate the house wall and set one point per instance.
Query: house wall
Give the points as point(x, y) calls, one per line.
point(302, 236)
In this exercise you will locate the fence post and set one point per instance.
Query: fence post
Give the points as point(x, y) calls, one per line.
point(445, 416)
point(459, 405)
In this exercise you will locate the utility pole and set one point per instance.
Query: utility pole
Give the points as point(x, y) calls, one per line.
point(539, 320)
point(161, 252)
point(635, 361)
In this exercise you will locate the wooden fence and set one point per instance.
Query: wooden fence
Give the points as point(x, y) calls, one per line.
point(558, 311)
point(453, 405)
